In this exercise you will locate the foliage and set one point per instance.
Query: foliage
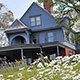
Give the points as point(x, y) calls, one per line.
point(66, 5)
point(61, 68)
point(6, 16)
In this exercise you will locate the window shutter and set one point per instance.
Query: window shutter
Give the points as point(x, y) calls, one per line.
point(37, 38)
point(54, 33)
point(46, 37)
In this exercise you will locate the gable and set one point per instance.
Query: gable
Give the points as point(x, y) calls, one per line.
point(17, 24)
point(47, 21)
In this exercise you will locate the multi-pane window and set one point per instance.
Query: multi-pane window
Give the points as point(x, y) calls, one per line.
point(35, 21)
point(50, 36)
point(32, 19)
point(38, 20)
point(66, 35)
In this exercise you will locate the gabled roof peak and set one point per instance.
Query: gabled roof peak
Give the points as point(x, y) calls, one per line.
point(17, 24)
point(34, 3)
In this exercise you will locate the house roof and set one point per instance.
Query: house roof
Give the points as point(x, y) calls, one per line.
point(47, 29)
point(32, 46)
point(16, 47)
point(17, 24)
point(15, 30)
point(27, 46)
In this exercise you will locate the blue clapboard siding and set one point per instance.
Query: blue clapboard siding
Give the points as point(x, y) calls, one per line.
point(24, 35)
point(47, 21)
point(60, 36)
point(43, 35)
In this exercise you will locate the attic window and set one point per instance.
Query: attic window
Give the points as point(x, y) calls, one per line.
point(35, 21)
point(32, 21)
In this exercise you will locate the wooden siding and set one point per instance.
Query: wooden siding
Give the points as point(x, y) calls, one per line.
point(47, 20)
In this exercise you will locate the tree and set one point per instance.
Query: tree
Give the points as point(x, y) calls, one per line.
point(69, 8)
point(64, 5)
point(6, 17)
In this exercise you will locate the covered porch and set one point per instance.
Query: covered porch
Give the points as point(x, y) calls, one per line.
point(19, 51)
point(51, 50)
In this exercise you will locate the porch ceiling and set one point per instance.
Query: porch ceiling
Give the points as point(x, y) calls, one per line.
point(12, 53)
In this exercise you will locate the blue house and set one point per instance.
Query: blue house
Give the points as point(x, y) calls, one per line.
point(37, 31)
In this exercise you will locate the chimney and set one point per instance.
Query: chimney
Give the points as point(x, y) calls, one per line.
point(47, 6)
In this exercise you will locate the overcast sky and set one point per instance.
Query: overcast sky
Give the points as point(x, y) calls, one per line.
point(18, 7)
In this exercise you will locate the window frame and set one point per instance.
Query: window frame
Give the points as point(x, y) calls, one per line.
point(32, 21)
point(50, 37)
point(35, 20)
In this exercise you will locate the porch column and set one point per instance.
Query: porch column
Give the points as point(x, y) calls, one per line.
point(57, 50)
point(74, 52)
point(41, 49)
point(66, 51)
point(21, 53)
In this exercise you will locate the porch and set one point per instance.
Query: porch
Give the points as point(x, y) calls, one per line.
point(51, 50)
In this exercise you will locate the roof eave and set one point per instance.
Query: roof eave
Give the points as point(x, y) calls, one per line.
point(16, 30)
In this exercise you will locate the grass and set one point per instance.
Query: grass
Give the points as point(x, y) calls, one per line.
point(64, 72)
point(33, 73)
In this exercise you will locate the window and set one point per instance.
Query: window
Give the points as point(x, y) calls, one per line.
point(29, 61)
point(50, 37)
point(35, 38)
point(32, 21)
point(35, 21)
point(72, 38)
point(67, 35)
point(34, 41)
point(52, 56)
point(38, 20)
point(55, 36)
point(70, 52)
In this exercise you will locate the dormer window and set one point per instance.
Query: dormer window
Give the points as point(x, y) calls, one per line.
point(35, 21)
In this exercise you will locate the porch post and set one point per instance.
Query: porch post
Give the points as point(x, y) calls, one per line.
point(66, 51)
point(41, 49)
point(57, 50)
point(21, 53)
point(74, 52)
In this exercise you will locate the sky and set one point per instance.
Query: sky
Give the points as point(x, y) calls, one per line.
point(18, 7)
